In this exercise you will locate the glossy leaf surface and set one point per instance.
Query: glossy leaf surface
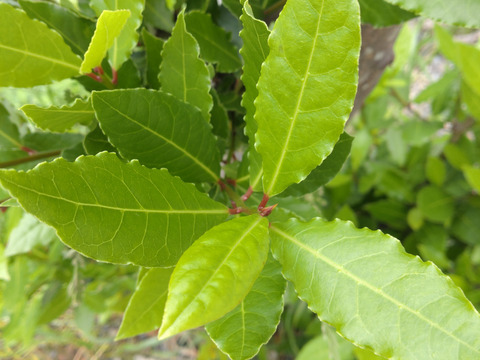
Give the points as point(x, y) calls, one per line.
point(242, 332)
point(213, 40)
point(144, 312)
point(380, 13)
point(214, 275)
point(30, 53)
point(325, 172)
point(114, 211)
point(307, 85)
point(254, 52)
point(124, 43)
point(75, 30)
point(60, 119)
point(109, 26)
point(376, 295)
point(182, 73)
point(459, 12)
point(160, 131)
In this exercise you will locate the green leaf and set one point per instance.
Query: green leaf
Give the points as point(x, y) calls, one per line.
point(472, 99)
point(214, 275)
point(242, 332)
point(435, 204)
point(27, 234)
point(109, 26)
point(145, 309)
point(325, 172)
point(157, 14)
point(46, 141)
point(159, 131)
point(436, 171)
point(254, 52)
point(153, 48)
point(60, 119)
point(311, 52)
point(124, 43)
point(182, 73)
point(376, 295)
point(379, 13)
point(473, 177)
point(466, 57)
point(96, 142)
point(215, 46)
point(9, 135)
point(460, 12)
point(114, 211)
point(75, 30)
point(27, 61)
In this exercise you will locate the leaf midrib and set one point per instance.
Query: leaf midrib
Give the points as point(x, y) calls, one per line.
point(184, 151)
point(297, 107)
point(102, 206)
point(369, 286)
point(38, 56)
point(253, 226)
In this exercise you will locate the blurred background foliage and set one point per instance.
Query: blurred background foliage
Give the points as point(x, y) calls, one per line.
point(413, 172)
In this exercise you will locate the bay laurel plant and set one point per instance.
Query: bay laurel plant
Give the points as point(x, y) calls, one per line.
point(195, 124)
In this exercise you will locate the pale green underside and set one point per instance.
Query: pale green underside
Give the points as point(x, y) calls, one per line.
point(306, 88)
point(60, 119)
point(364, 284)
point(214, 275)
point(114, 211)
point(30, 53)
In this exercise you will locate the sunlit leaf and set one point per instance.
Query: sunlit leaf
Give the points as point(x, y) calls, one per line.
point(307, 86)
point(75, 30)
point(30, 53)
point(109, 26)
point(364, 284)
point(254, 52)
point(124, 43)
point(214, 275)
point(114, 211)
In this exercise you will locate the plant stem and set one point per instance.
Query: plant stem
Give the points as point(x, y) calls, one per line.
point(27, 159)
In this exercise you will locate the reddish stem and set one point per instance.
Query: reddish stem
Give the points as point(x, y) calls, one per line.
point(263, 202)
point(28, 150)
point(247, 195)
point(235, 211)
point(114, 76)
point(232, 182)
point(95, 77)
point(99, 70)
point(222, 185)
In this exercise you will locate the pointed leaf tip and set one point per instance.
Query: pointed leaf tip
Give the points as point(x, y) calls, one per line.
point(215, 274)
